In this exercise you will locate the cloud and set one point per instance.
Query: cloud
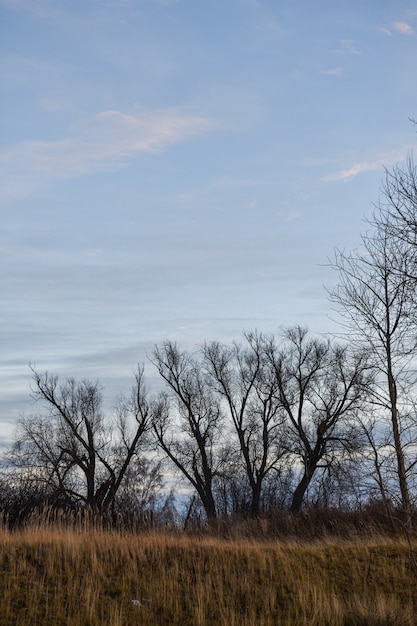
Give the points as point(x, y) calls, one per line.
point(384, 161)
point(232, 183)
point(355, 169)
point(348, 46)
point(54, 104)
point(58, 9)
point(291, 216)
point(399, 27)
point(39, 8)
point(336, 71)
point(403, 28)
point(104, 143)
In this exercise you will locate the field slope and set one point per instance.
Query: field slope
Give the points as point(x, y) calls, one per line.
point(90, 578)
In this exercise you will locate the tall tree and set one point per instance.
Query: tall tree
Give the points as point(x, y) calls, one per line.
point(397, 210)
point(240, 375)
point(320, 389)
point(375, 296)
point(188, 427)
point(72, 448)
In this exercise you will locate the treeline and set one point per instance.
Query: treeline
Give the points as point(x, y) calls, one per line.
point(271, 423)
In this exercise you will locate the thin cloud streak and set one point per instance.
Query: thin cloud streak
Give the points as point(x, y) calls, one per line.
point(58, 10)
point(365, 166)
point(348, 46)
point(39, 8)
point(336, 71)
point(354, 170)
point(104, 143)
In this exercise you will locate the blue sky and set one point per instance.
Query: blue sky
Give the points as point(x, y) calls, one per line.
point(182, 169)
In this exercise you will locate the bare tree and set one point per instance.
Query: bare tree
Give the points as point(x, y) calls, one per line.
point(397, 210)
point(376, 299)
point(188, 428)
point(241, 376)
point(320, 389)
point(376, 457)
point(72, 448)
point(134, 419)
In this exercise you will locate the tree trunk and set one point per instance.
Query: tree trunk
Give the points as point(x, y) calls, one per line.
point(402, 474)
point(256, 499)
point(300, 491)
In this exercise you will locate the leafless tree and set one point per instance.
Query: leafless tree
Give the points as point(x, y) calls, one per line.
point(135, 415)
point(188, 427)
point(397, 209)
point(71, 447)
point(376, 299)
point(320, 389)
point(376, 463)
point(240, 375)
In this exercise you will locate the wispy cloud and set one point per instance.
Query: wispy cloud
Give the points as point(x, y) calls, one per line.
point(40, 8)
point(348, 46)
point(397, 27)
point(54, 104)
point(103, 143)
point(334, 71)
point(355, 169)
point(290, 215)
point(231, 183)
point(54, 9)
point(403, 28)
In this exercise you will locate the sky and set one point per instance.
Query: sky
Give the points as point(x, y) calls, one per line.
point(183, 170)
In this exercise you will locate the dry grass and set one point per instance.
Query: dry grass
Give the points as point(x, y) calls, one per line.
point(58, 576)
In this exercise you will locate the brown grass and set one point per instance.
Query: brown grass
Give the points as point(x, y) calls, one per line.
point(80, 577)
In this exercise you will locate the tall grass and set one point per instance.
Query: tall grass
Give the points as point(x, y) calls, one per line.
point(81, 576)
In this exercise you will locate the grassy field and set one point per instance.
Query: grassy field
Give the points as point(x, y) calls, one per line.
point(89, 578)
